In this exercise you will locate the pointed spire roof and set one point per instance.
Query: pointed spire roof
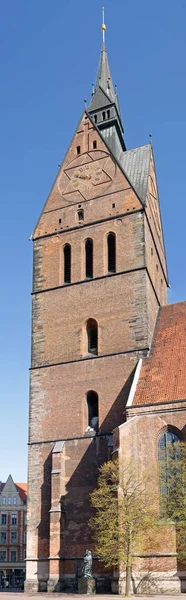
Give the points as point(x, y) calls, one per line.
point(104, 106)
point(104, 79)
point(104, 92)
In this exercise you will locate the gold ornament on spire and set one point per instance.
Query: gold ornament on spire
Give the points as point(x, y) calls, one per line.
point(103, 26)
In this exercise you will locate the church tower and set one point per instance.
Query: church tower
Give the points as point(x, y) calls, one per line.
point(99, 278)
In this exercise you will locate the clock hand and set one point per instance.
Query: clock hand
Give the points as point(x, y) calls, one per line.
point(83, 176)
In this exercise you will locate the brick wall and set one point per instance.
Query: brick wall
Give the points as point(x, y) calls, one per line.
point(125, 306)
point(138, 442)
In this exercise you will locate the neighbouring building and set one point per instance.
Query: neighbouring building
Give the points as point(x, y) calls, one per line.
point(107, 351)
point(13, 510)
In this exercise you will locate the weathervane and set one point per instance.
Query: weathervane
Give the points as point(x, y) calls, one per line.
point(103, 26)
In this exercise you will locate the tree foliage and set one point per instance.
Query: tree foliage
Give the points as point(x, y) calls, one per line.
point(123, 519)
point(172, 472)
point(131, 511)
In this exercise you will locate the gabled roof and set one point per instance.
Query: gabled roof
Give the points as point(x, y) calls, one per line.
point(135, 164)
point(163, 374)
point(20, 487)
point(9, 485)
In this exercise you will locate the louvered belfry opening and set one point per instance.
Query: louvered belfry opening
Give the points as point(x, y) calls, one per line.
point(67, 263)
point(111, 244)
point(92, 336)
point(89, 258)
point(92, 402)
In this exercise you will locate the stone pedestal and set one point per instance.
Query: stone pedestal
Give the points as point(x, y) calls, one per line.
point(31, 586)
point(54, 585)
point(86, 585)
point(152, 583)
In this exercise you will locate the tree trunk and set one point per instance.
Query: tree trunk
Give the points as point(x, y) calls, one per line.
point(128, 567)
point(128, 577)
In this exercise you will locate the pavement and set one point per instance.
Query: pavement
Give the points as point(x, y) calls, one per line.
point(13, 595)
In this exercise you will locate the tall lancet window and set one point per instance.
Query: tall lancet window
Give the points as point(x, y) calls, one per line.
point(111, 247)
point(67, 263)
point(89, 258)
point(92, 405)
point(92, 336)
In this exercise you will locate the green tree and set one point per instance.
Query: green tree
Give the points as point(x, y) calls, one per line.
point(125, 516)
point(172, 473)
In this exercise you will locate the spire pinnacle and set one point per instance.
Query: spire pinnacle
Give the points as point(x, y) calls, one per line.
point(104, 106)
point(103, 26)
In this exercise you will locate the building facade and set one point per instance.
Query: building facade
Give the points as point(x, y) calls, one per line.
point(13, 507)
point(99, 282)
point(154, 419)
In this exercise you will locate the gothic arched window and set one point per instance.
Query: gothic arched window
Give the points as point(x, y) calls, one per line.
point(92, 336)
point(89, 258)
point(67, 263)
point(92, 405)
point(169, 458)
point(111, 247)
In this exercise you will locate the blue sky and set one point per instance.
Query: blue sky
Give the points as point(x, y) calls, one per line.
point(49, 55)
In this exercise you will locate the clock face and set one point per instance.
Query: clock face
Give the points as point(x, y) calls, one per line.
point(87, 179)
point(87, 176)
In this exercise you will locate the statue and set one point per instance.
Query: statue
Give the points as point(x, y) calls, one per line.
point(87, 564)
point(87, 583)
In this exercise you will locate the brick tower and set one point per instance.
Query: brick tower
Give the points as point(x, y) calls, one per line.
point(99, 279)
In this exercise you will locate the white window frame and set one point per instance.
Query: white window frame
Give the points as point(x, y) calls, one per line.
point(11, 559)
point(3, 515)
point(13, 541)
point(3, 542)
point(14, 517)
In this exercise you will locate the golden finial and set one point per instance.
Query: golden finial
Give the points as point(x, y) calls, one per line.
point(103, 26)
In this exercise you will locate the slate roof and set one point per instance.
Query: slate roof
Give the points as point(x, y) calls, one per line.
point(163, 374)
point(104, 93)
point(99, 99)
point(135, 164)
point(104, 79)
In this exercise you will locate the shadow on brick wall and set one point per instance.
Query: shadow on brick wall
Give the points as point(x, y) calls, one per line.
point(76, 535)
point(44, 526)
point(82, 460)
